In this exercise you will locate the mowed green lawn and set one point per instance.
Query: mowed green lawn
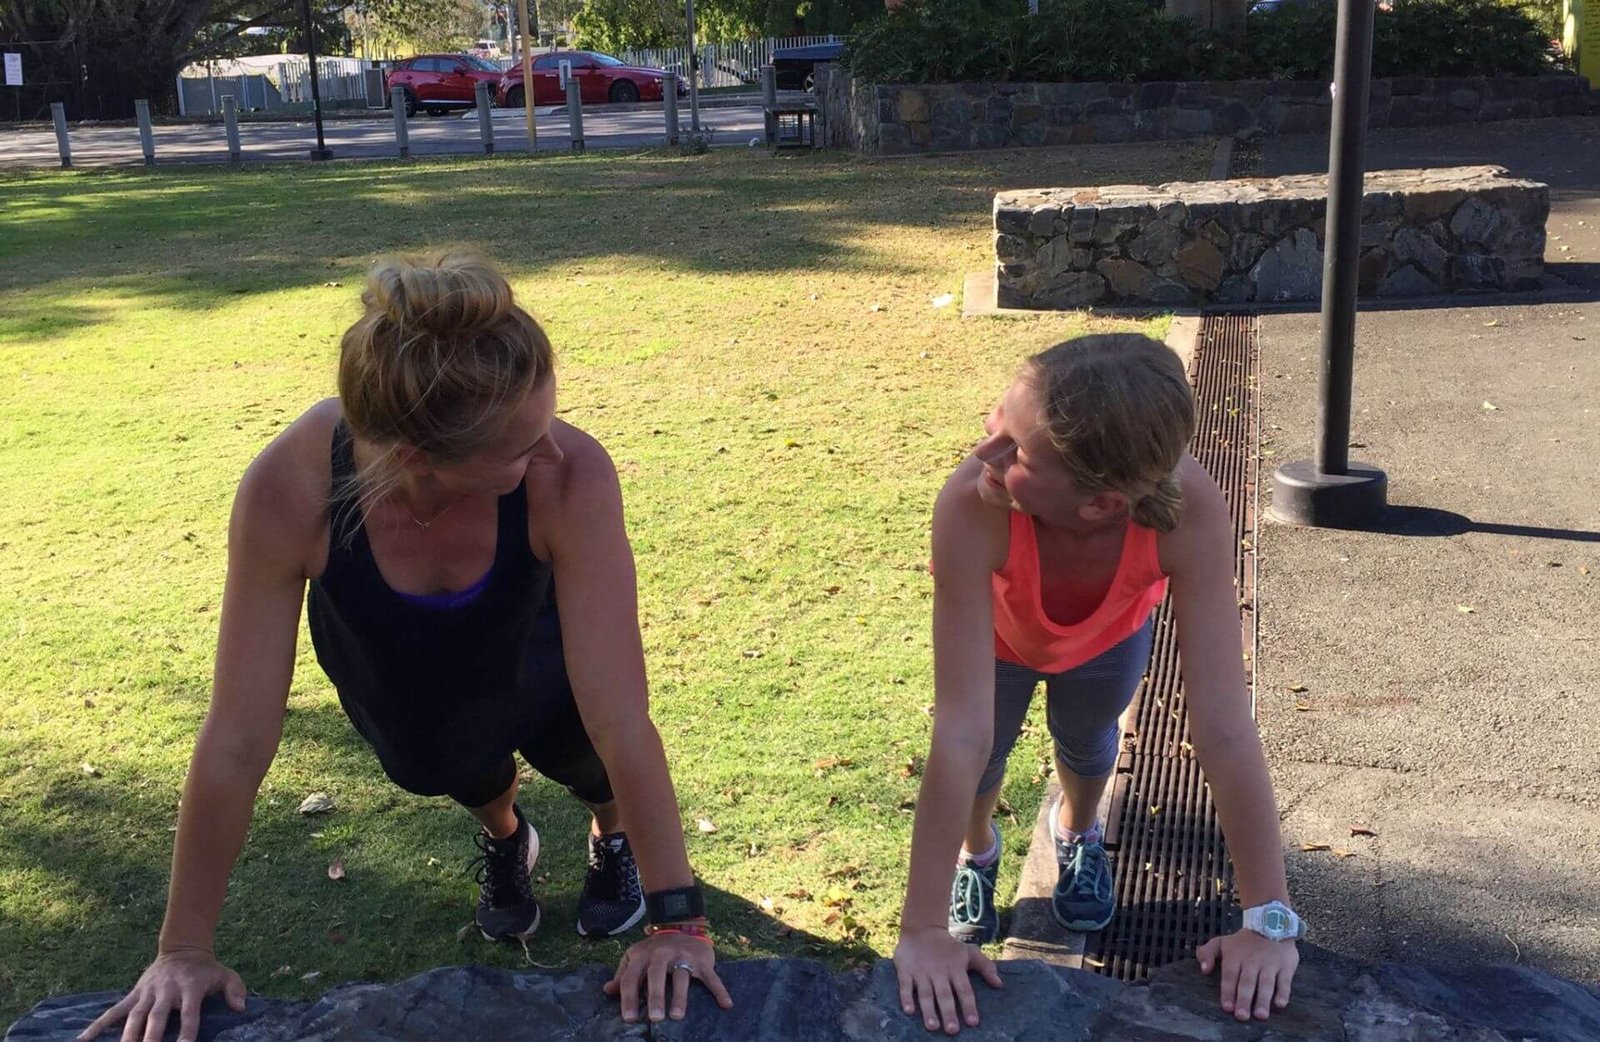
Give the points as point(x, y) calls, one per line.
point(757, 343)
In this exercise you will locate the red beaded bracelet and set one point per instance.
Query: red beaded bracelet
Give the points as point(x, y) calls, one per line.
point(699, 931)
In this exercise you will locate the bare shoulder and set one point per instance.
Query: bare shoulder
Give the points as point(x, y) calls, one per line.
point(966, 529)
point(575, 498)
point(585, 471)
point(283, 497)
point(1205, 528)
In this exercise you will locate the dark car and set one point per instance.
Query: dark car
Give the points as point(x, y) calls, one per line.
point(601, 79)
point(437, 83)
point(794, 65)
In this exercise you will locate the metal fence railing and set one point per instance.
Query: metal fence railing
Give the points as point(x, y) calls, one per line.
point(345, 82)
point(342, 82)
point(728, 64)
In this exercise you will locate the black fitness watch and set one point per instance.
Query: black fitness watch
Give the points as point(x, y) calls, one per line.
point(664, 907)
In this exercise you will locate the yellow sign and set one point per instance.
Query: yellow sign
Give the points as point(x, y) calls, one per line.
point(1580, 37)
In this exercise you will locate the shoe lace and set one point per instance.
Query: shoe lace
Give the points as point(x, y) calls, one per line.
point(499, 871)
point(1088, 873)
point(616, 871)
point(968, 896)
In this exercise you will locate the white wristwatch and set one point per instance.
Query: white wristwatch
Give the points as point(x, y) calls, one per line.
point(1275, 921)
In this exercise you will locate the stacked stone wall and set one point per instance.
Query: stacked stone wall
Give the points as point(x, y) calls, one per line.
point(1423, 233)
point(895, 119)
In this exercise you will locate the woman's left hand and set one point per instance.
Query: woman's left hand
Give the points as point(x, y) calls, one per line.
point(657, 959)
point(1255, 972)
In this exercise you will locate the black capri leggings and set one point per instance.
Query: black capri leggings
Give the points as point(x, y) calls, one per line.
point(561, 751)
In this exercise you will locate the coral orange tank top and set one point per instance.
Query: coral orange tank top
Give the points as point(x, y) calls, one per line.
point(1024, 634)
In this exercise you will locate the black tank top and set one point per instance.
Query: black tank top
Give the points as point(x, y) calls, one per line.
point(425, 683)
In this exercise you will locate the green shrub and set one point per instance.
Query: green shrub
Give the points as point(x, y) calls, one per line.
point(956, 41)
point(1417, 38)
point(953, 41)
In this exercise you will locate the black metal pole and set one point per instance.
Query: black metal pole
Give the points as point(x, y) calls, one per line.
point(1352, 64)
point(1329, 490)
point(322, 151)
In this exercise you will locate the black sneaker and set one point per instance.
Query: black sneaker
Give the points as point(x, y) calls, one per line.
point(612, 901)
point(506, 905)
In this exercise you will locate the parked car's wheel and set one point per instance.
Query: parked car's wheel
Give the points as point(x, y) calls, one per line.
point(624, 92)
point(514, 98)
point(411, 103)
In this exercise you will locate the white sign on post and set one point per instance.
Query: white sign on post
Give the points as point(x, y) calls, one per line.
point(566, 73)
point(13, 69)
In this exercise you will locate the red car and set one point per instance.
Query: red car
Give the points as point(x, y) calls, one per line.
point(601, 78)
point(437, 83)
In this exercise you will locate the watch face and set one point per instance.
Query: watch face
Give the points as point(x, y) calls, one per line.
point(1276, 921)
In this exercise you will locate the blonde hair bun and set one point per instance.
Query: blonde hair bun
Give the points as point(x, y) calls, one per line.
point(450, 294)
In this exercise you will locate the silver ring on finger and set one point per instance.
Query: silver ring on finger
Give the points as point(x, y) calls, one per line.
point(681, 965)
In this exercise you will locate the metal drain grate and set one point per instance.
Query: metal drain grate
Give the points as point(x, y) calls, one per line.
point(1174, 882)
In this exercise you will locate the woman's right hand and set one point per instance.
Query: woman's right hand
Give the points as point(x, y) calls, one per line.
point(177, 981)
point(932, 967)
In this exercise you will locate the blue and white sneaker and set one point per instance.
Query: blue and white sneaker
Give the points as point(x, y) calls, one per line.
point(974, 918)
point(1083, 899)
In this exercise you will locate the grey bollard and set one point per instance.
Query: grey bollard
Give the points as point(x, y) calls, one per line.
point(230, 120)
point(147, 136)
point(397, 101)
point(58, 112)
point(575, 112)
point(669, 103)
point(769, 101)
point(485, 122)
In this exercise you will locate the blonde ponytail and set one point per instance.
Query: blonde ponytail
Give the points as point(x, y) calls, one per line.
point(1162, 507)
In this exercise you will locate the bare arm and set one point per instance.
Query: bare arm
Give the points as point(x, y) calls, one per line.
point(963, 684)
point(1210, 645)
point(968, 545)
point(250, 685)
point(1255, 974)
point(599, 603)
point(598, 593)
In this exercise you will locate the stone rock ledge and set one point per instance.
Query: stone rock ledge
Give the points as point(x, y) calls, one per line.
point(797, 1000)
point(1424, 233)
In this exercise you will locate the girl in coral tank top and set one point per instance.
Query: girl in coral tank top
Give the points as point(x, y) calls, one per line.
point(1052, 543)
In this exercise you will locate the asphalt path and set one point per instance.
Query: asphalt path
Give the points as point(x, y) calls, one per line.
point(608, 128)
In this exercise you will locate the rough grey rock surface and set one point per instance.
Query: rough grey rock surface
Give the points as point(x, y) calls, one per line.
point(794, 1000)
point(1424, 233)
point(889, 119)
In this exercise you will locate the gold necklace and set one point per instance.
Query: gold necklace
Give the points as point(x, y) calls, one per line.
point(425, 525)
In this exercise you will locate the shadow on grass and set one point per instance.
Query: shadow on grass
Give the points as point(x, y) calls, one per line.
point(214, 235)
point(94, 868)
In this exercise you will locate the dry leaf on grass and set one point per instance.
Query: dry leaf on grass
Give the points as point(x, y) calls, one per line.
point(828, 763)
point(336, 869)
point(1361, 830)
point(1295, 689)
point(465, 932)
point(705, 825)
point(317, 803)
point(90, 769)
point(1302, 707)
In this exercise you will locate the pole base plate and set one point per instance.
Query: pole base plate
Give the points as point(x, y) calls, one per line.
point(1303, 496)
point(322, 155)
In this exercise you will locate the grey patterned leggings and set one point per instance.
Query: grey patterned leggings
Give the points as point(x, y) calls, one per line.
point(1082, 708)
